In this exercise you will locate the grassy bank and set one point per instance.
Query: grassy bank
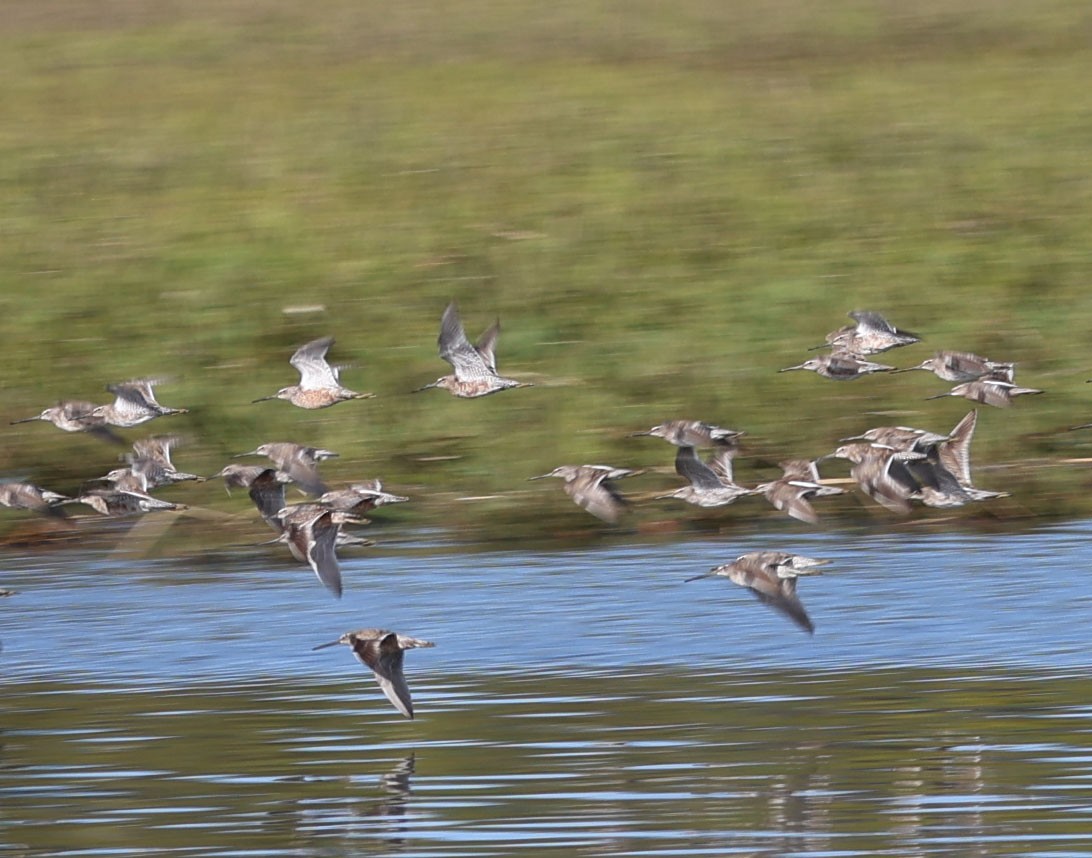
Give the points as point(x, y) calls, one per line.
point(664, 205)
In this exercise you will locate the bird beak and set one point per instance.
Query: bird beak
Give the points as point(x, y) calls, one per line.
point(426, 387)
point(638, 434)
point(696, 577)
point(539, 477)
point(906, 369)
point(323, 646)
point(816, 348)
point(251, 453)
point(938, 396)
point(790, 368)
point(263, 399)
point(25, 420)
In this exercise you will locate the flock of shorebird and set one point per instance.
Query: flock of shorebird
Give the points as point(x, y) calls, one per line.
point(893, 465)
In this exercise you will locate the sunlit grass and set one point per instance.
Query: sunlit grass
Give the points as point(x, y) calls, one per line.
point(664, 205)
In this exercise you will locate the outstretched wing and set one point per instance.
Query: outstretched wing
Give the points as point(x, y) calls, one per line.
point(456, 349)
point(310, 361)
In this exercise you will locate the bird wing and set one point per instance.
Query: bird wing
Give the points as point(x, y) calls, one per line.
point(592, 491)
point(694, 470)
point(456, 349)
point(267, 493)
point(955, 453)
point(310, 361)
point(321, 554)
point(487, 346)
point(385, 657)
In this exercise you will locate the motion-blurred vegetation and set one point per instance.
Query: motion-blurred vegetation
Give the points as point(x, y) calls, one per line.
point(664, 204)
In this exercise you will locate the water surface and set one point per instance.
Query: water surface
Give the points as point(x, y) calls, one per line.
point(579, 701)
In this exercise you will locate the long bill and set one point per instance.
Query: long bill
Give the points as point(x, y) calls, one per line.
point(325, 645)
point(25, 420)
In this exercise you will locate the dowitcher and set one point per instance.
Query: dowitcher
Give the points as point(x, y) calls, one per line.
point(881, 473)
point(311, 532)
point(33, 498)
point(871, 335)
point(692, 433)
point(771, 576)
point(360, 498)
point(590, 487)
point(989, 392)
point(151, 459)
point(134, 403)
point(902, 438)
point(954, 455)
point(964, 366)
point(240, 476)
point(111, 502)
point(475, 365)
point(798, 484)
point(710, 484)
point(383, 652)
point(840, 366)
point(127, 480)
point(297, 461)
point(75, 415)
point(320, 383)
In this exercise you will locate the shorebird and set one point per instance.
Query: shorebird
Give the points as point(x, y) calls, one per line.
point(151, 459)
point(311, 532)
point(871, 335)
point(112, 502)
point(240, 476)
point(590, 487)
point(383, 652)
point(964, 366)
point(475, 365)
point(134, 403)
point(75, 415)
point(989, 392)
point(954, 455)
point(799, 482)
point(904, 438)
point(691, 433)
point(771, 576)
point(710, 485)
point(300, 463)
point(33, 498)
point(320, 384)
point(840, 366)
point(360, 498)
point(881, 473)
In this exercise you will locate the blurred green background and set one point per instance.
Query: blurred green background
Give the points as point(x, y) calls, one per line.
point(663, 203)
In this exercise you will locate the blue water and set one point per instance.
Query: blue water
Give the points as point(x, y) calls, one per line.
point(908, 598)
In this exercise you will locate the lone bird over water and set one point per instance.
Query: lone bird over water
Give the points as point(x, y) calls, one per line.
point(840, 366)
point(771, 576)
point(475, 365)
point(871, 335)
point(383, 652)
point(134, 403)
point(691, 433)
point(590, 487)
point(75, 415)
point(320, 383)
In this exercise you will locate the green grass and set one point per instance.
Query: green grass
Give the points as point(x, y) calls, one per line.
point(663, 203)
